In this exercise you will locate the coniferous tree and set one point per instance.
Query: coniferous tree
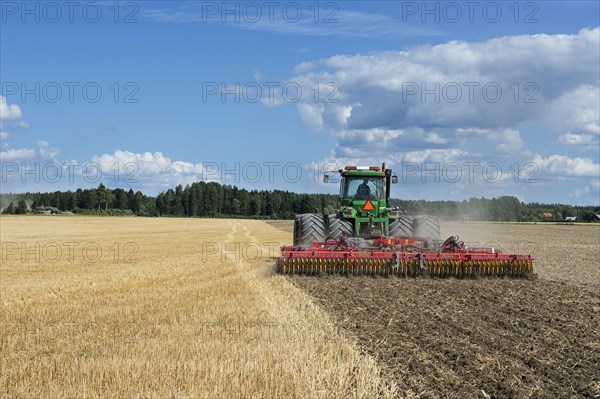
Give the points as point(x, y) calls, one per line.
point(22, 207)
point(10, 209)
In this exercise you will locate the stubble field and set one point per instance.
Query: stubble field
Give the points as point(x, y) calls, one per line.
point(185, 308)
point(140, 307)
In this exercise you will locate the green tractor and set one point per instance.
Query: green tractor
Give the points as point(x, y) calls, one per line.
point(364, 213)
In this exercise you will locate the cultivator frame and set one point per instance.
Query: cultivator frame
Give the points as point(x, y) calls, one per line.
point(403, 257)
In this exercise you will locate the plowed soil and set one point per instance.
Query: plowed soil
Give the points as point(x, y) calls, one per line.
point(485, 338)
point(454, 338)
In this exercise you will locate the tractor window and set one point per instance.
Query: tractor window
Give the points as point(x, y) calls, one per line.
point(363, 188)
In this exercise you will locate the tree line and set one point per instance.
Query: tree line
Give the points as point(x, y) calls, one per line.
point(202, 199)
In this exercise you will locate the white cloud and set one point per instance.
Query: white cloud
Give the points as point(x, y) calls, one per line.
point(563, 166)
point(589, 194)
point(440, 156)
point(387, 142)
point(393, 160)
point(147, 161)
point(341, 23)
point(509, 141)
point(311, 115)
point(8, 111)
point(581, 192)
point(304, 67)
point(17, 154)
point(46, 152)
point(578, 139)
point(391, 86)
point(43, 152)
point(578, 112)
point(435, 95)
point(435, 173)
point(151, 170)
point(186, 167)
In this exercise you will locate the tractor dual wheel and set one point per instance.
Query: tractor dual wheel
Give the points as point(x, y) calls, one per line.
point(427, 228)
point(337, 225)
point(401, 227)
point(308, 228)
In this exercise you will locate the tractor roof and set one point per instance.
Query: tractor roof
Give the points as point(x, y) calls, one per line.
point(365, 173)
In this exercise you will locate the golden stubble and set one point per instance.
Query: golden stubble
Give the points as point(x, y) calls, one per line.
point(164, 307)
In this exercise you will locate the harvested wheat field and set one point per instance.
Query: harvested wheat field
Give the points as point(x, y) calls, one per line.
point(159, 307)
point(141, 307)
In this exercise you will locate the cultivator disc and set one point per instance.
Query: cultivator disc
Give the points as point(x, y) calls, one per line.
point(403, 258)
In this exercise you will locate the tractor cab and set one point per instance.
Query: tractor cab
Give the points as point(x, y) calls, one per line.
point(362, 188)
point(364, 197)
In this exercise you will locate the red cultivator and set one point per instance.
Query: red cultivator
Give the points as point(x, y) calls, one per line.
point(404, 257)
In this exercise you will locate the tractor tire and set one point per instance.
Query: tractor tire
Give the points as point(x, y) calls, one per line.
point(402, 227)
point(308, 228)
point(336, 225)
point(428, 228)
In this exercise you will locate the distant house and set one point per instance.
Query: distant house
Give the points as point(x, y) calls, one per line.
point(571, 218)
point(547, 214)
point(597, 218)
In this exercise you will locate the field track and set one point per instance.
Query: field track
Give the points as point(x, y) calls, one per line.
point(191, 308)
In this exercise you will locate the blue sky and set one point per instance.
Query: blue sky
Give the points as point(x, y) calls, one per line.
point(487, 99)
